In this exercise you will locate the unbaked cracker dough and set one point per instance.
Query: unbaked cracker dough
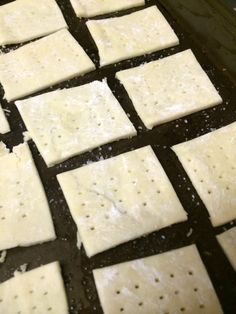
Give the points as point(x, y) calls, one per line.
point(68, 122)
point(3, 256)
point(172, 282)
point(25, 217)
point(3, 149)
point(210, 162)
point(42, 63)
point(89, 8)
point(119, 199)
point(169, 88)
point(227, 241)
point(24, 20)
point(39, 291)
point(131, 35)
point(4, 125)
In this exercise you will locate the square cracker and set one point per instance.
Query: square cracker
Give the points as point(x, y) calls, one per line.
point(24, 20)
point(89, 8)
point(169, 88)
point(42, 63)
point(119, 199)
point(40, 290)
point(68, 122)
point(172, 282)
point(227, 241)
point(131, 35)
point(3, 149)
point(210, 162)
point(25, 217)
point(4, 125)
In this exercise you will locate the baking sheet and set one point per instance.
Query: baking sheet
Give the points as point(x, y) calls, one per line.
point(76, 267)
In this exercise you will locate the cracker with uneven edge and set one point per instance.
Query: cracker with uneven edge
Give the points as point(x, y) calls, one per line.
point(3, 149)
point(210, 162)
point(40, 290)
point(25, 20)
point(89, 8)
point(169, 88)
point(25, 218)
point(171, 282)
point(4, 125)
point(42, 63)
point(132, 35)
point(119, 199)
point(227, 241)
point(71, 121)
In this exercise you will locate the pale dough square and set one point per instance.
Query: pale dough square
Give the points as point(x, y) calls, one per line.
point(24, 20)
point(71, 121)
point(131, 35)
point(227, 241)
point(172, 282)
point(38, 291)
point(210, 162)
point(3, 149)
point(42, 63)
point(169, 88)
point(25, 218)
point(4, 125)
point(89, 8)
point(120, 199)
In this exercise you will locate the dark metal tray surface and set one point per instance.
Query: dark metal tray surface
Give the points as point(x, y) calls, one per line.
point(76, 267)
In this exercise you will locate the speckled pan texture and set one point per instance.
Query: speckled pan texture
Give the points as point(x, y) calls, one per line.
point(197, 229)
point(4, 125)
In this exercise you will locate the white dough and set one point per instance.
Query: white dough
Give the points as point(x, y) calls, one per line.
point(3, 149)
point(4, 125)
point(169, 88)
point(24, 20)
point(227, 241)
point(3, 256)
point(210, 162)
point(131, 35)
point(119, 199)
point(172, 282)
point(25, 217)
point(42, 63)
point(71, 121)
point(89, 8)
point(38, 291)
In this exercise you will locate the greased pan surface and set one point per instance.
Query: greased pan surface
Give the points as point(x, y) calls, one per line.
point(76, 267)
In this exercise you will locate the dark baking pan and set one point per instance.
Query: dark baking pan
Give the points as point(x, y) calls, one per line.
point(209, 29)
